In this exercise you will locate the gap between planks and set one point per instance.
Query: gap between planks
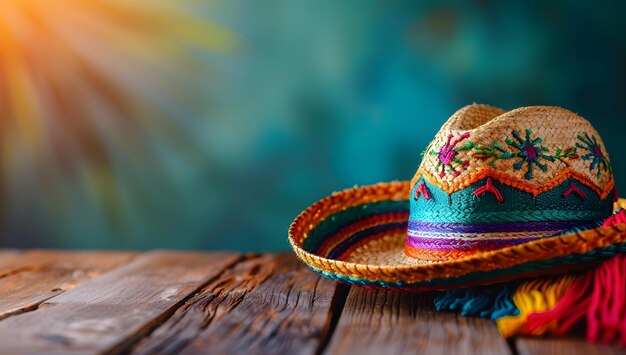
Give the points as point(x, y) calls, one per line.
point(270, 304)
point(255, 303)
point(27, 279)
point(381, 321)
point(107, 313)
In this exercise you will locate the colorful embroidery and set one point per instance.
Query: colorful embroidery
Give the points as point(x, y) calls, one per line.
point(531, 225)
point(493, 152)
point(598, 160)
point(506, 178)
point(470, 221)
point(489, 188)
point(422, 190)
point(565, 155)
point(530, 152)
point(447, 156)
point(576, 190)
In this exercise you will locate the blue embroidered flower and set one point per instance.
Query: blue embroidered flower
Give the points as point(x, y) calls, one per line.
point(530, 152)
point(599, 162)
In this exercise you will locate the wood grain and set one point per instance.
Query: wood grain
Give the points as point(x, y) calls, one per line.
point(264, 305)
point(6, 252)
point(385, 322)
point(210, 304)
point(109, 313)
point(189, 303)
point(564, 346)
point(16, 261)
point(39, 276)
point(8, 257)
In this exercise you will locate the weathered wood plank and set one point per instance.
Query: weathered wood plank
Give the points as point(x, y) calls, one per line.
point(210, 304)
point(564, 346)
point(385, 322)
point(15, 261)
point(4, 252)
point(38, 276)
point(263, 305)
point(8, 257)
point(108, 313)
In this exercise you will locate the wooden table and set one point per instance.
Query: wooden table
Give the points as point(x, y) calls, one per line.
point(174, 302)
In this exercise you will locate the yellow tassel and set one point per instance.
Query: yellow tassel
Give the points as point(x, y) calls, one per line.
point(534, 296)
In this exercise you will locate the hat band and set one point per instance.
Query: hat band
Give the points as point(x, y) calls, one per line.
point(442, 241)
point(490, 215)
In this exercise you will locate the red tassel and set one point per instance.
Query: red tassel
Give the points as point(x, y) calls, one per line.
point(606, 318)
point(570, 309)
point(597, 299)
point(618, 218)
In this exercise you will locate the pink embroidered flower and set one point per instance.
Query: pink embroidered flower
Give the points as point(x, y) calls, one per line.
point(447, 156)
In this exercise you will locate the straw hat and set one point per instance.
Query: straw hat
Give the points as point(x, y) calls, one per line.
point(498, 196)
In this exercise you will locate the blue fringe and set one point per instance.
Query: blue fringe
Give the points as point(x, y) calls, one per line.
point(490, 302)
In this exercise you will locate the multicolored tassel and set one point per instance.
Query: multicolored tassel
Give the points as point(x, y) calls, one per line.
point(531, 297)
point(594, 301)
point(491, 302)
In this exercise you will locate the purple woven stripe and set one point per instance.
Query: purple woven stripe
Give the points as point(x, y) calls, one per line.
point(442, 244)
point(493, 227)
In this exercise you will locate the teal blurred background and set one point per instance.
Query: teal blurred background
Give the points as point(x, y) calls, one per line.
point(220, 144)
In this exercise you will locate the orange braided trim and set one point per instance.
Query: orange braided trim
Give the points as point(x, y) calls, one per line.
point(520, 184)
point(537, 250)
point(331, 242)
point(437, 255)
point(557, 270)
point(343, 200)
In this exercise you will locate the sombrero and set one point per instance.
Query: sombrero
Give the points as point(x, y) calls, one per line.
point(498, 196)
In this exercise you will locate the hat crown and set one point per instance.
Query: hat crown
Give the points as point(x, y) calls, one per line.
point(492, 178)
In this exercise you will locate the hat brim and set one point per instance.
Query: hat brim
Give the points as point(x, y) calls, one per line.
point(357, 236)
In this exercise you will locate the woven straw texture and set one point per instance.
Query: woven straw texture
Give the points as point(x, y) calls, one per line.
point(360, 235)
point(485, 141)
point(383, 260)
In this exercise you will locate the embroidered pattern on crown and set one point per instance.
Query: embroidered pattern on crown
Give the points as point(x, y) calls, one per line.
point(447, 156)
point(527, 153)
point(595, 155)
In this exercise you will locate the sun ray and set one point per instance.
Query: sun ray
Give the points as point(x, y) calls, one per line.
point(94, 94)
